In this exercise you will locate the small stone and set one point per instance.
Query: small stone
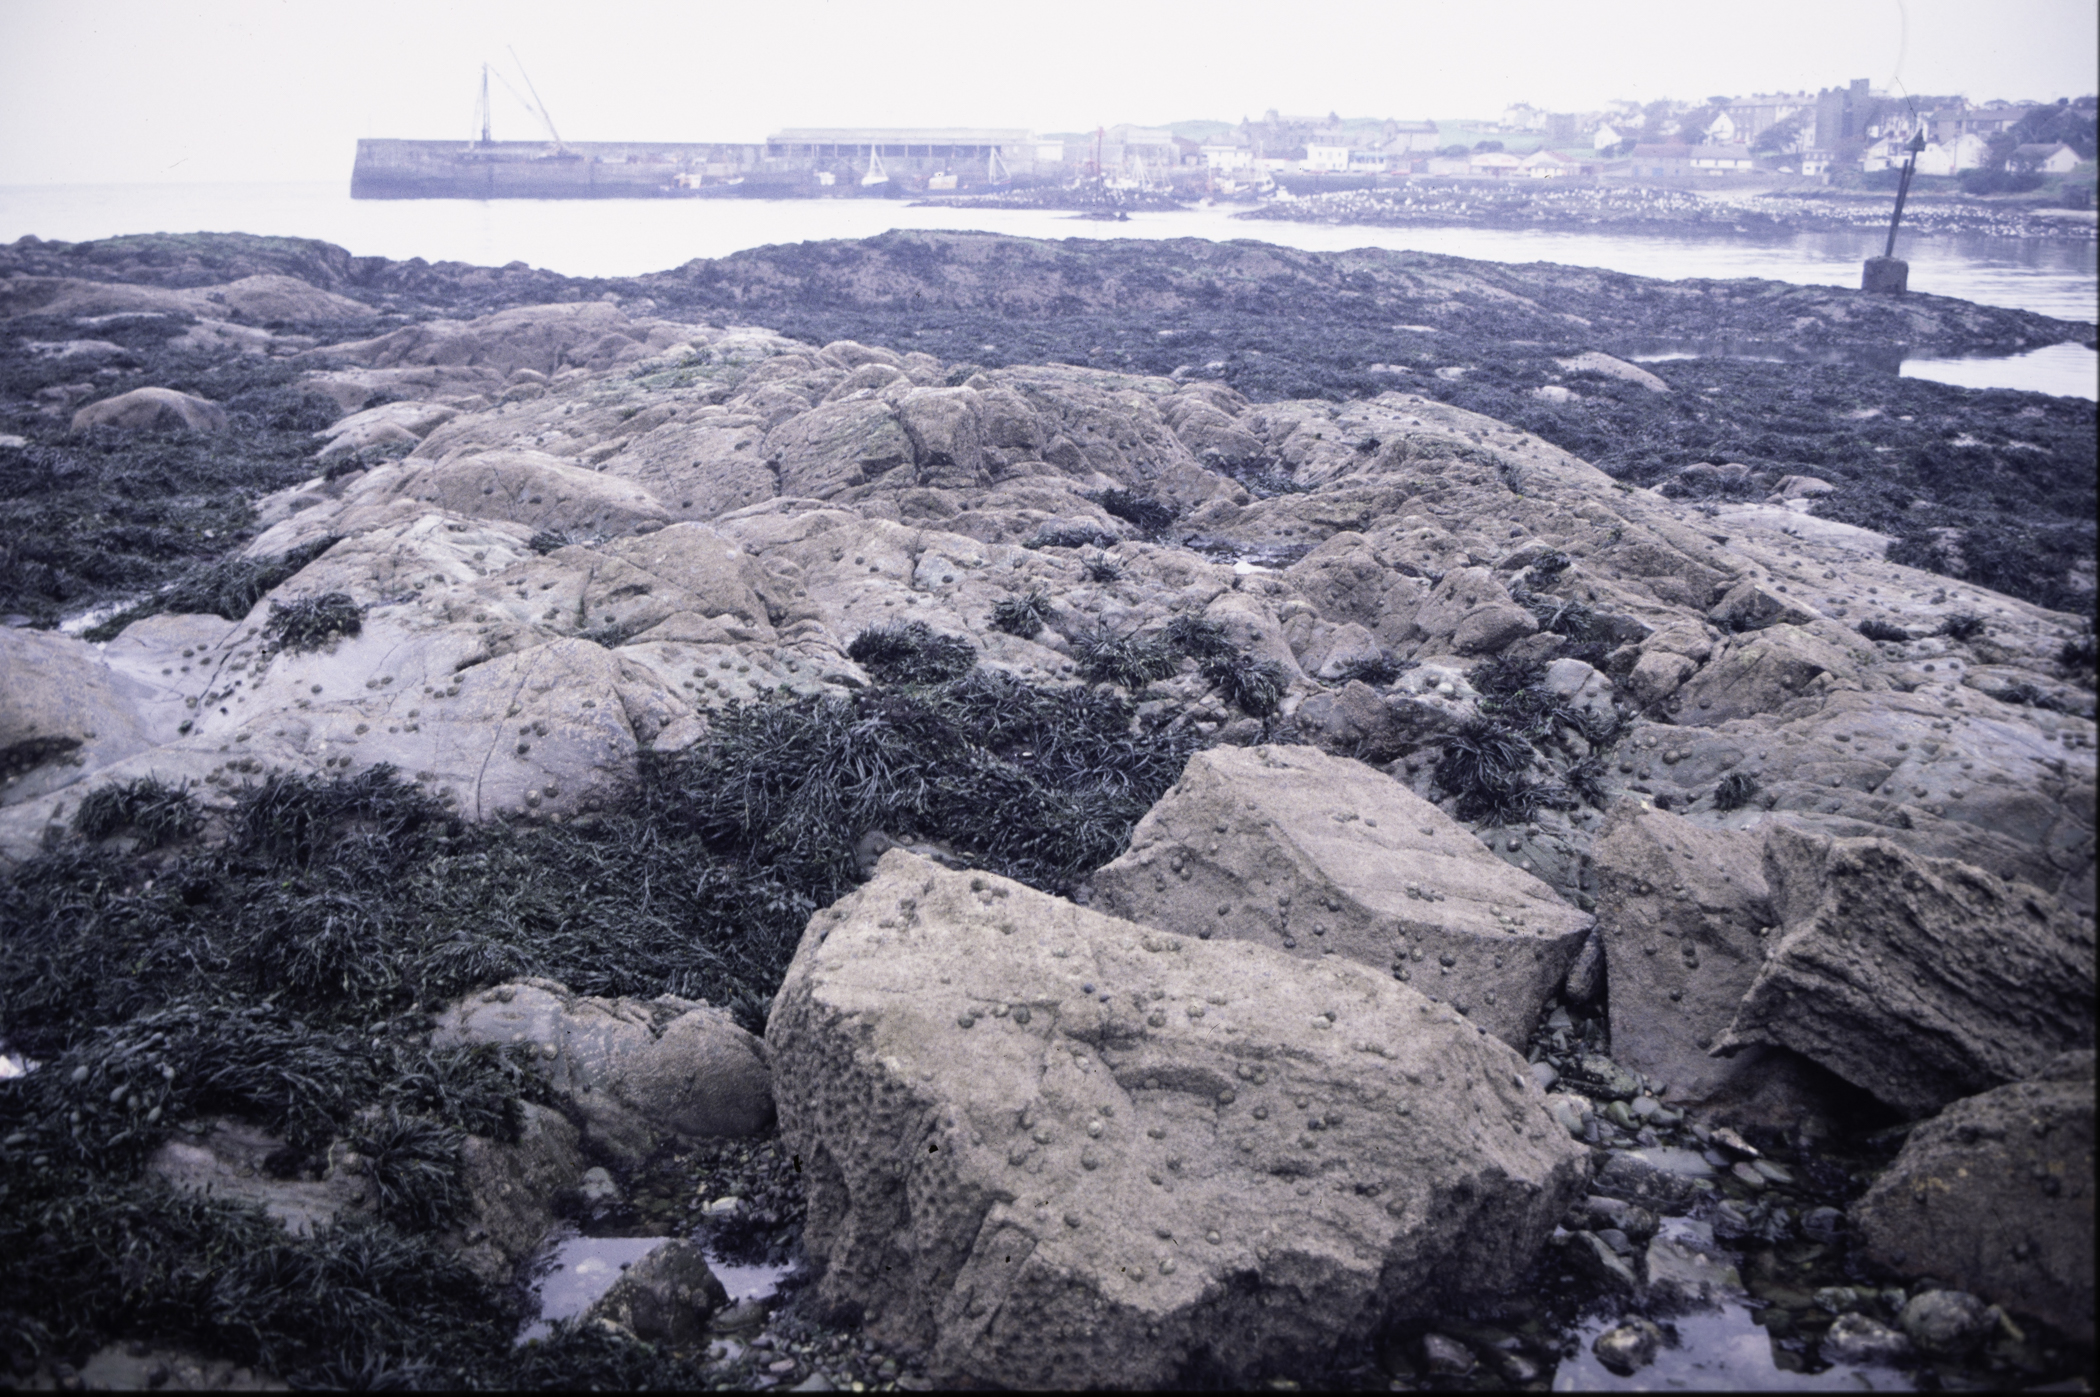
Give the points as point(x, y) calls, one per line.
point(1857, 1339)
point(1946, 1322)
point(1444, 1357)
point(1631, 1345)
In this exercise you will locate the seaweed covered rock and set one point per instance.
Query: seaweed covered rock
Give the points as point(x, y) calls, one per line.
point(1919, 980)
point(153, 410)
point(639, 1072)
point(1054, 1148)
point(1323, 856)
point(1995, 1195)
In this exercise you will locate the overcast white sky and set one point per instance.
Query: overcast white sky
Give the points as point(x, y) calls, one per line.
point(98, 91)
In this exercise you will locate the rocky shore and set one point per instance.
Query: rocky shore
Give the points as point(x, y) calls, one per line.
point(1634, 209)
point(1218, 863)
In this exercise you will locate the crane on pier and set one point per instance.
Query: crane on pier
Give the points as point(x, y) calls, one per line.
point(538, 108)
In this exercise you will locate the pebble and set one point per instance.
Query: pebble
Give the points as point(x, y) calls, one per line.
point(1446, 1357)
point(1628, 1346)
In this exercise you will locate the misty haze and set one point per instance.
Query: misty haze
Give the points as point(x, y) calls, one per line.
point(1382, 697)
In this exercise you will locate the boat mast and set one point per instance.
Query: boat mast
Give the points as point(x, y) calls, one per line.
point(485, 138)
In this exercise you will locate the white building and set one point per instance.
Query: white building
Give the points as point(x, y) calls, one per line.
point(1327, 158)
point(1544, 164)
point(2053, 159)
point(1228, 157)
point(1607, 137)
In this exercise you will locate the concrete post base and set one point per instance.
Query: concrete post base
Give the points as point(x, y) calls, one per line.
point(1886, 276)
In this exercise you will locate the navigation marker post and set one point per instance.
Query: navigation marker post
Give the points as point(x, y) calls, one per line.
point(1886, 275)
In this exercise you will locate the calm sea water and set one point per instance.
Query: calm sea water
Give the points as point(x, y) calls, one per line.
point(581, 237)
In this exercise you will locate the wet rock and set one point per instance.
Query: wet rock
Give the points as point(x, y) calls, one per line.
point(1056, 1197)
point(1686, 1270)
point(1995, 1195)
point(639, 1072)
point(1948, 1323)
point(1629, 1345)
point(1680, 911)
point(153, 410)
point(1663, 1179)
point(1446, 1357)
point(1320, 855)
point(1856, 1338)
point(667, 1297)
point(1592, 1255)
point(1918, 980)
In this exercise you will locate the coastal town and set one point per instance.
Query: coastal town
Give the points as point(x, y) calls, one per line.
point(1852, 138)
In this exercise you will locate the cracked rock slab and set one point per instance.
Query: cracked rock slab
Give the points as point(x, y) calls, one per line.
point(1919, 980)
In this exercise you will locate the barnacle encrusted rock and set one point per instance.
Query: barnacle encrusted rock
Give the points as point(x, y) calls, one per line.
point(1684, 915)
point(1319, 855)
point(1054, 1148)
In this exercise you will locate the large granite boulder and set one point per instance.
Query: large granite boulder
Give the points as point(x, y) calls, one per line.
point(639, 1072)
point(153, 410)
point(1919, 980)
point(1054, 1148)
point(1323, 856)
point(1995, 1196)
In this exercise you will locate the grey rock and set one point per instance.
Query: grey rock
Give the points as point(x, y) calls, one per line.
point(65, 713)
point(1764, 672)
point(1596, 1258)
point(1679, 910)
point(1627, 1346)
point(1316, 855)
point(1446, 1357)
point(640, 1072)
point(1946, 1322)
point(836, 446)
point(1919, 980)
point(1586, 973)
point(667, 1297)
point(1752, 606)
point(977, 1184)
point(1664, 1180)
point(153, 409)
point(1687, 1271)
point(1857, 1338)
point(1995, 1195)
